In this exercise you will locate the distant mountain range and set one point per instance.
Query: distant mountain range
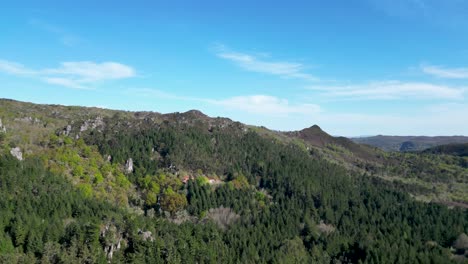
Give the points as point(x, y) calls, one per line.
point(409, 143)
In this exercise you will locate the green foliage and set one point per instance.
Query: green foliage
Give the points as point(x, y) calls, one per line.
point(172, 201)
point(78, 171)
point(293, 251)
point(86, 189)
point(202, 180)
point(151, 198)
point(67, 141)
point(86, 167)
point(33, 206)
point(361, 216)
point(240, 182)
point(289, 204)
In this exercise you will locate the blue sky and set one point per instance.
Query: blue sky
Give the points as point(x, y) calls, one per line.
point(355, 68)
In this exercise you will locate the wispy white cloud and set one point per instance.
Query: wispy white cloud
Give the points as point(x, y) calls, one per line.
point(391, 90)
point(14, 68)
point(77, 75)
point(64, 82)
point(443, 72)
point(87, 71)
point(256, 64)
point(266, 105)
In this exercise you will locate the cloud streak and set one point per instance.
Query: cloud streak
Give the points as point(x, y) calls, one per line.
point(253, 63)
point(442, 72)
point(267, 105)
point(392, 90)
point(76, 75)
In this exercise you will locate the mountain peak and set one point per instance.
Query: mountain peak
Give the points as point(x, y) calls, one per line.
point(196, 113)
point(316, 127)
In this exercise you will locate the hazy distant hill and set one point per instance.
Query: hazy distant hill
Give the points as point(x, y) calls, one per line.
point(409, 143)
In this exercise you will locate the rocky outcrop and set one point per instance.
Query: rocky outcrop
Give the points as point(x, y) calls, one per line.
point(28, 119)
point(129, 165)
point(16, 152)
point(146, 235)
point(325, 229)
point(112, 239)
point(67, 130)
point(92, 124)
point(2, 127)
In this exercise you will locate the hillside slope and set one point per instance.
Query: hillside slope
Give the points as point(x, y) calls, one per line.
point(186, 188)
point(316, 137)
point(450, 149)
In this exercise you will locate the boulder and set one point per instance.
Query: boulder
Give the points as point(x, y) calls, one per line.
point(146, 235)
point(16, 152)
point(2, 127)
point(129, 165)
point(67, 130)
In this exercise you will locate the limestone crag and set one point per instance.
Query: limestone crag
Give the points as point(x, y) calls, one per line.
point(2, 127)
point(92, 124)
point(16, 152)
point(129, 165)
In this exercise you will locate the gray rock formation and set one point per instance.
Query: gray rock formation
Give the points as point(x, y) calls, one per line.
point(92, 124)
point(129, 165)
point(112, 238)
point(2, 127)
point(28, 119)
point(84, 127)
point(67, 130)
point(16, 152)
point(145, 235)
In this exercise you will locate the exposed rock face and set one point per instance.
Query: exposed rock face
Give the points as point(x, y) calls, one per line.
point(84, 127)
point(67, 130)
point(2, 128)
point(98, 122)
point(325, 229)
point(16, 152)
point(112, 238)
point(145, 235)
point(129, 165)
point(28, 119)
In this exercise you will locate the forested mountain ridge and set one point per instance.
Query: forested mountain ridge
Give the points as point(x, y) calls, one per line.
point(183, 187)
